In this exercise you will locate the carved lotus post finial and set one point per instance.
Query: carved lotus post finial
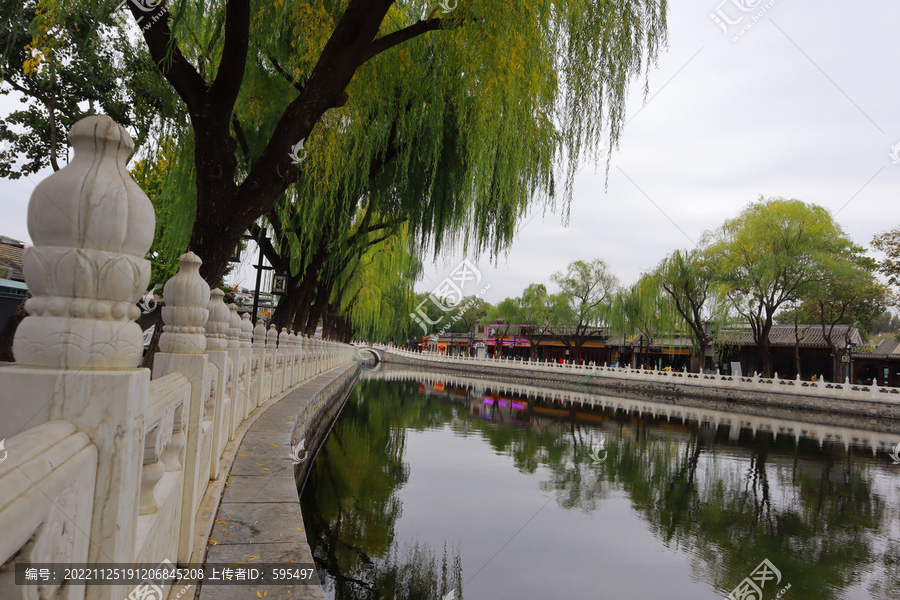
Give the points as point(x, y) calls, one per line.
point(91, 226)
point(234, 327)
point(272, 338)
point(259, 335)
point(186, 311)
point(218, 323)
point(283, 338)
point(246, 331)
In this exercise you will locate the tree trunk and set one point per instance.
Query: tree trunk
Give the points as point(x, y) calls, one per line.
point(289, 304)
point(318, 308)
point(9, 332)
point(698, 360)
point(214, 242)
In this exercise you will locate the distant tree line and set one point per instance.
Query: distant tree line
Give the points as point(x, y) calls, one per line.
point(779, 261)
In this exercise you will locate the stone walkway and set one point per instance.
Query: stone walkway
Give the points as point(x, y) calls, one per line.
point(259, 519)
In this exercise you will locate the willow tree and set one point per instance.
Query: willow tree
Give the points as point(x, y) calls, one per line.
point(537, 85)
point(771, 255)
point(639, 309)
point(375, 297)
point(586, 292)
point(686, 279)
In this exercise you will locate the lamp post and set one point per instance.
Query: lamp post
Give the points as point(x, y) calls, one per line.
point(850, 346)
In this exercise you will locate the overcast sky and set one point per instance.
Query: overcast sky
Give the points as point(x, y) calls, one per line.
point(805, 104)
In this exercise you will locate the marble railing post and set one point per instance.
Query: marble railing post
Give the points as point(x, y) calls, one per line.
point(314, 356)
point(272, 351)
point(247, 357)
point(78, 350)
point(304, 357)
point(238, 392)
point(286, 361)
point(259, 359)
point(295, 353)
point(182, 349)
point(217, 334)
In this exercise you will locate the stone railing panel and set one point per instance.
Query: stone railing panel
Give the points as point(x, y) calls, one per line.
point(46, 504)
point(162, 476)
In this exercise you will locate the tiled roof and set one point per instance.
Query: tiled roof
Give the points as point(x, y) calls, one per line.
point(783, 335)
point(11, 256)
point(887, 347)
point(13, 253)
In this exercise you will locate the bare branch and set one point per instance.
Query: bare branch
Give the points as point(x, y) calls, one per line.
point(295, 84)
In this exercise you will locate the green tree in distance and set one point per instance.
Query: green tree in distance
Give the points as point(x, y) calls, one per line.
point(686, 277)
point(889, 243)
point(586, 289)
point(846, 293)
point(771, 255)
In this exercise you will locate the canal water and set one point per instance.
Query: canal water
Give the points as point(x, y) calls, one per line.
point(431, 489)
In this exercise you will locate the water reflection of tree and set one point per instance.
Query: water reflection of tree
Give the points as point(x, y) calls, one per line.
point(813, 514)
point(351, 505)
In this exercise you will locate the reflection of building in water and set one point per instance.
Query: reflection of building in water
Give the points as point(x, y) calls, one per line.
point(481, 399)
point(521, 401)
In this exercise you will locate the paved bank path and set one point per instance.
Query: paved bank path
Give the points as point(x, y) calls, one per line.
point(259, 519)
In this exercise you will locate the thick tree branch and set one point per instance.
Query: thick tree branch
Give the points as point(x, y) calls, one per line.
point(168, 57)
point(225, 89)
point(390, 40)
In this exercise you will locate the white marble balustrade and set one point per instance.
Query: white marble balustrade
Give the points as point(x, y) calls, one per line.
point(819, 388)
point(103, 462)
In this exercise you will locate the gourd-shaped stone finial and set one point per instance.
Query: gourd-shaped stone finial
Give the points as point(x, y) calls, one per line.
point(272, 338)
point(91, 226)
point(259, 335)
point(185, 312)
point(295, 339)
point(219, 321)
point(283, 338)
point(246, 331)
point(234, 327)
